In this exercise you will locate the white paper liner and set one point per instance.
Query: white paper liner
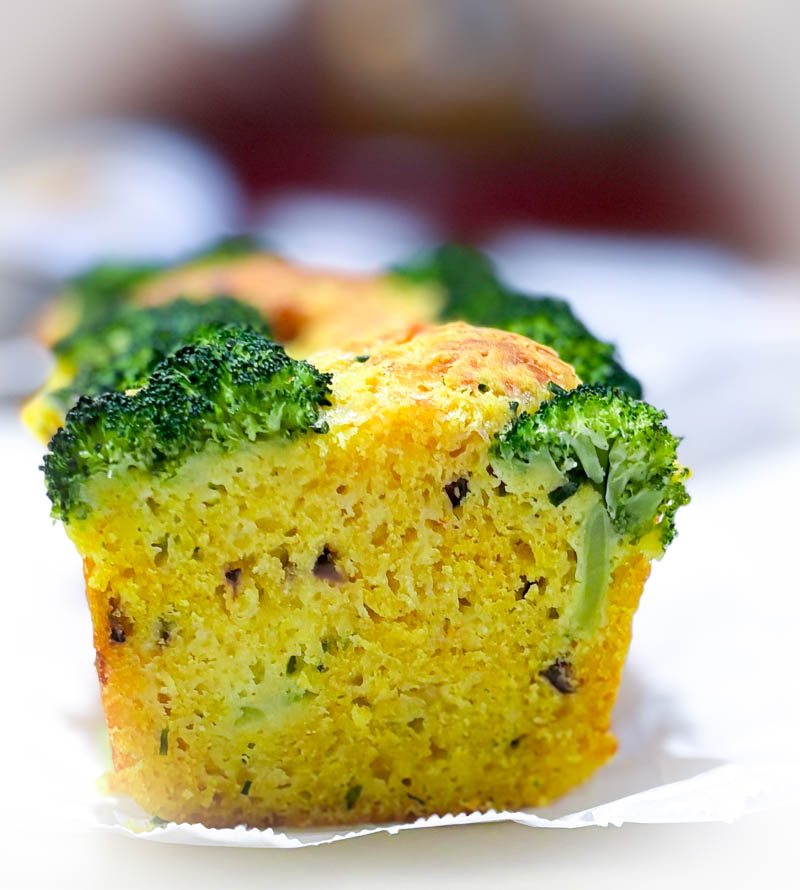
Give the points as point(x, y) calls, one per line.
point(721, 794)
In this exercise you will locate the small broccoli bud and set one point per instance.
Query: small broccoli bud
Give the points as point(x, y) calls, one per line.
point(473, 293)
point(601, 436)
point(228, 385)
point(231, 247)
point(121, 348)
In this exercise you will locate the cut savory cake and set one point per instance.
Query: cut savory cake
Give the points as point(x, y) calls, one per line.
point(124, 318)
point(110, 325)
point(367, 587)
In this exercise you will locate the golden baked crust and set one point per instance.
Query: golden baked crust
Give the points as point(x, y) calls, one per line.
point(308, 309)
point(459, 354)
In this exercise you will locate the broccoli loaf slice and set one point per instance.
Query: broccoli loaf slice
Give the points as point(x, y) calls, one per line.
point(372, 586)
point(113, 323)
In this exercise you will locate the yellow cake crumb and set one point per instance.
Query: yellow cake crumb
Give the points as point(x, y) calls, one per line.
point(376, 623)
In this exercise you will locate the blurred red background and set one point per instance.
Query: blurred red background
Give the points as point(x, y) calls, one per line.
point(589, 115)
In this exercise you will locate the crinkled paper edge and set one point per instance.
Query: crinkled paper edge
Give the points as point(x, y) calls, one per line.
point(722, 794)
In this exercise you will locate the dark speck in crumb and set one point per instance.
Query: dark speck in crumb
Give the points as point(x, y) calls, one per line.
point(483, 387)
point(120, 626)
point(559, 675)
point(325, 567)
point(352, 796)
point(457, 491)
point(362, 358)
point(117, 630)
point(232, 576)
point(525, 586)
point(291, 664)
point(164, 632)
point(552, 613)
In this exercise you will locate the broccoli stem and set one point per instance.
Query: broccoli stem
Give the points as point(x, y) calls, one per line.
point(594, 567)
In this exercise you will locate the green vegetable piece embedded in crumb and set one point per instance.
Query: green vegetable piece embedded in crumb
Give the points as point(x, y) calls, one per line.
point(352, 796)
point(291, 664)
point(249, 715)
point(163, 742)
point(602, 436)
point(227, 386)
point(119, 350)
point(246, 787)
point(474, 293)
point(593, 571)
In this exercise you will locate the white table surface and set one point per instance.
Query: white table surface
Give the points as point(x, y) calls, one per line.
point(758, 851)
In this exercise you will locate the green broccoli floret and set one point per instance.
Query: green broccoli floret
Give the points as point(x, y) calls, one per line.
point(110, 285)
point(106, 286)
point(552, 323)
point(471, 288)
point(473, 293)
point(229, 385)
point(600, 435)
point(119, 350)
point(228, 248)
